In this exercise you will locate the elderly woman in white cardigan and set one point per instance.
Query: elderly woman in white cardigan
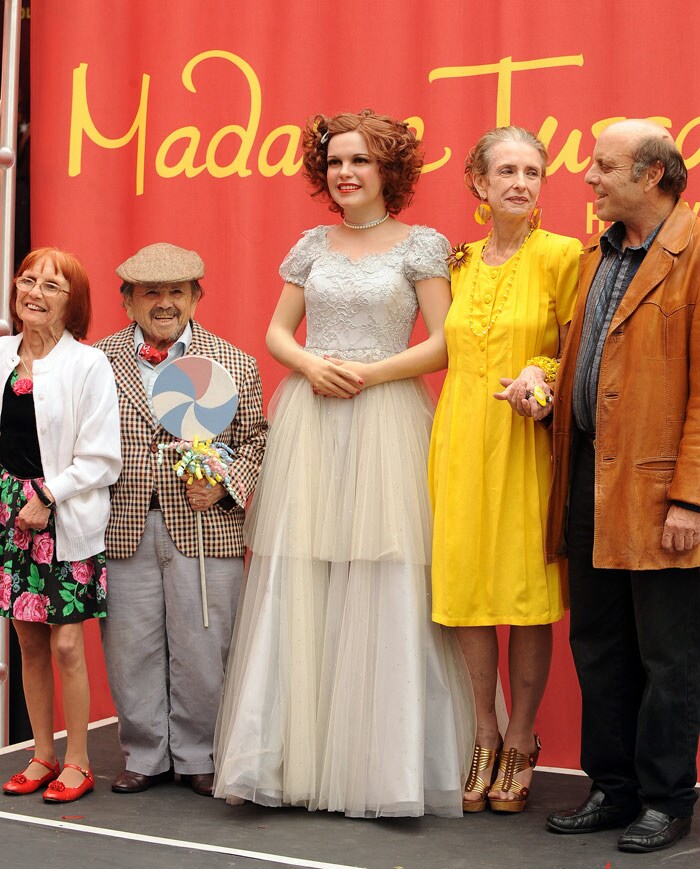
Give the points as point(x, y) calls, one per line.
point(59, 453)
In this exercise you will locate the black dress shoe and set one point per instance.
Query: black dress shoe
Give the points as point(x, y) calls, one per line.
point(652, 831)
point(129, 782)
point(590, 817)
point(202, 783)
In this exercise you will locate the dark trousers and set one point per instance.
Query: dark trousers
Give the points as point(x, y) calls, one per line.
point(635, 637)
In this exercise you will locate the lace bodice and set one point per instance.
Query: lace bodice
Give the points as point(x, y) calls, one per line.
point(363, 309)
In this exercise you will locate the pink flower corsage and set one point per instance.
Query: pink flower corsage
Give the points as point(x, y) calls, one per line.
point(23, 387)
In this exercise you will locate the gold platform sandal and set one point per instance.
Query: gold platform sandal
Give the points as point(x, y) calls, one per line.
point(512, 762)
point(482, 760)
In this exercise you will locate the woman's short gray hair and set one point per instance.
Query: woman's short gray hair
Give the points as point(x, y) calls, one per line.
point(479, 158)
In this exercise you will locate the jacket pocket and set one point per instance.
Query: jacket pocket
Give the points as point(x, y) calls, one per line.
point(665, 333)
point(657, 465)
point(652, 480)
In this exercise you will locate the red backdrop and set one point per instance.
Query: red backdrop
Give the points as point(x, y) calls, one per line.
point(179, 121)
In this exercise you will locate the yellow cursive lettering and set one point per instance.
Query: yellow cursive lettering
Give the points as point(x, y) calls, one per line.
point(692, 161)
point(287, 164)
point(417, 124)
point(81, 123)
point(568, 156)
point(185, 163)
point(230, 150)
point(504, 70)
point(239, 165)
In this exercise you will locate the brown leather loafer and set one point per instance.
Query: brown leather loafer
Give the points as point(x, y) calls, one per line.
point(202, 783)
point(129, 782)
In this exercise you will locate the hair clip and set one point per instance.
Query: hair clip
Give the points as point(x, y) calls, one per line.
point(324, 138)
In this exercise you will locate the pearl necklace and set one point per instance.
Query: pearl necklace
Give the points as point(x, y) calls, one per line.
point(366, 225)
point(509, 283)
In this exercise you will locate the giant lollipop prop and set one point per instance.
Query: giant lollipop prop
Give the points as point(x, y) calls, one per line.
point(195, 399)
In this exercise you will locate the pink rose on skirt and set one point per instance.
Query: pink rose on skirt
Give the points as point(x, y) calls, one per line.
point(102, 579)
point(42, 549)
point(27, 489)
point(82, 571)
point(4, 514)
point(6, 591)
point(21, 538)
point(31, 607)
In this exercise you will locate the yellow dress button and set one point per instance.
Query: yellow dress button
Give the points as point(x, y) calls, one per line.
point(482, 371)
point(484, 321)
point(487, 299)
point(494, 273)
point(482, 346)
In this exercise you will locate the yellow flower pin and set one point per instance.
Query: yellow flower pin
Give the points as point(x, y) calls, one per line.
point(459, 256)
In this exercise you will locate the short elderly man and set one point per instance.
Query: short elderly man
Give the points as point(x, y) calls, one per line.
point(627, 460)
point(165, 668)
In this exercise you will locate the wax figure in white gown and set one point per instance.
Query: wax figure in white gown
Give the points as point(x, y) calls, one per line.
point(340, 693)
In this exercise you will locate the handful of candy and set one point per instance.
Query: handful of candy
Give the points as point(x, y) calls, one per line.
point(204, 460)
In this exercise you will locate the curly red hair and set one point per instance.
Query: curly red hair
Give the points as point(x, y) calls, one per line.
point(392, 144)
point(78, 308)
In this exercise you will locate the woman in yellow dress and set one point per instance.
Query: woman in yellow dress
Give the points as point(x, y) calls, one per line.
point(513, 296)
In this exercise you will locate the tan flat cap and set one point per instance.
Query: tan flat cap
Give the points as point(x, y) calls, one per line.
point(162, 263)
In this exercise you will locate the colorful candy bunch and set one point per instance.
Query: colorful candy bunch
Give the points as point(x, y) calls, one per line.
point(204, 460)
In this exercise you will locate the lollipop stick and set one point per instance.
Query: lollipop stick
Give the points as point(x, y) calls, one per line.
point(202, 571)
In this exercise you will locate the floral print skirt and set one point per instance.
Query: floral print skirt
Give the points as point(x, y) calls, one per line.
point(35, 586)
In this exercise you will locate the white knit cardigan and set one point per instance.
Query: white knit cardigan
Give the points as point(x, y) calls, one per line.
point(77, 421)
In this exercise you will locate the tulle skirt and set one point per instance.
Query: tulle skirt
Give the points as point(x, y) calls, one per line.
point(340, 692)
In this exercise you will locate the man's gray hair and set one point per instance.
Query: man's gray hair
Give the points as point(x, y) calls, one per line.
point(657, 149)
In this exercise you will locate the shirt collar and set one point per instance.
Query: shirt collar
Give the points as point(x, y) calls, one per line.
point(613, 238)
point(184, 339)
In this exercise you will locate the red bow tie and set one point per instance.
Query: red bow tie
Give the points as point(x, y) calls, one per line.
point(150, 354)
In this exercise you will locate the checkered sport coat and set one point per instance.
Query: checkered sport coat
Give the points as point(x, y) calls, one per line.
point(223, 523)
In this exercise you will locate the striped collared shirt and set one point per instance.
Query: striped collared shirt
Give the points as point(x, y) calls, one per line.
point(615, 273)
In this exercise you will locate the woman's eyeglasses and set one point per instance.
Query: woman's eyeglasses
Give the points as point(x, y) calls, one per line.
point(48, 288)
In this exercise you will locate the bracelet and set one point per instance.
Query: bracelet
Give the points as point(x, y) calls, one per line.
point(42, 496)
point(549, 366)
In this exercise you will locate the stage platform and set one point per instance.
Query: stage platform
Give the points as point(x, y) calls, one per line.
point(170, 827)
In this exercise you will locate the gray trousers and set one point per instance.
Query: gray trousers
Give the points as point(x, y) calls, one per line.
point(165, 668)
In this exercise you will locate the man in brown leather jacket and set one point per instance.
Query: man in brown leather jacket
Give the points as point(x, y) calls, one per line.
point(627, 466)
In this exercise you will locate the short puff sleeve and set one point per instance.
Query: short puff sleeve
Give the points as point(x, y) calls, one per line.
point(427, 254)
point(297, 264)
point(567, 279)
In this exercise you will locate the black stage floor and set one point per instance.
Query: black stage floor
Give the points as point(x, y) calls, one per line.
point(171, 827)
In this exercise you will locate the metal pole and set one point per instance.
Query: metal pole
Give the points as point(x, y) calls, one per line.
point(9, 93)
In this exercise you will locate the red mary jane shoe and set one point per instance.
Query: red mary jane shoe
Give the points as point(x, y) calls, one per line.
point(20, 784)
point(57, 792)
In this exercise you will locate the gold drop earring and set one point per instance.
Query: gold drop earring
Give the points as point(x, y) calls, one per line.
point(482, 215)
